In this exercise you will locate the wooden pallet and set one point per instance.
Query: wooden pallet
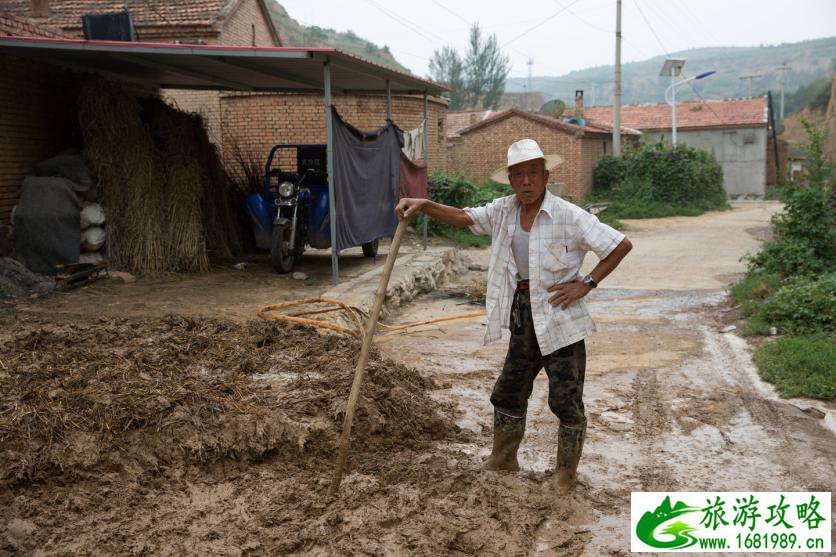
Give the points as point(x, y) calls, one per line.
point(78, 274)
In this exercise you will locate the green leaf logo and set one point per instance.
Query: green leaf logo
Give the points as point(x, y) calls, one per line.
point(680, 531)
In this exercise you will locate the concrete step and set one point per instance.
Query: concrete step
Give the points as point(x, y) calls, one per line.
point(413, 274)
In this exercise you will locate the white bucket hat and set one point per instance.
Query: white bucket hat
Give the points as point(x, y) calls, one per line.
point(522, 151)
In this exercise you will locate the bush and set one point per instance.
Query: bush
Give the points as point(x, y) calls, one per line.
point(805, 238)
point(456, 191)
point(654, 180)
point(609, 171)
point(787, 257)
point(800, 366)
point(802, 306)
point(755, 287)
point(634, 188)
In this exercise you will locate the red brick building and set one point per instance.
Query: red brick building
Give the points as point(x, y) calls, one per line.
point(482, 147)
point(37, 115)
point(252, 123)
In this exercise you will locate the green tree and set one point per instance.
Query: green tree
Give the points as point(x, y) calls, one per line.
point(478, 78)
point(446, 67)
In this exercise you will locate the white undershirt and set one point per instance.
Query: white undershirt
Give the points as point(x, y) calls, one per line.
point(519, 247)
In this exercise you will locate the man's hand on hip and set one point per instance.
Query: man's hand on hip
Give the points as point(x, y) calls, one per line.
point(567, 293)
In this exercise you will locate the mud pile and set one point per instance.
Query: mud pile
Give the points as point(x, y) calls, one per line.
point(140, 395)
point(183, 436)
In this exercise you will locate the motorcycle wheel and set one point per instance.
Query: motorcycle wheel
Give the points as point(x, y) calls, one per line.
point(370, 248)
point(279, 250)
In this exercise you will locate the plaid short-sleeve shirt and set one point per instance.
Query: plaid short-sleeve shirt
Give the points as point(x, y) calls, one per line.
point(561, 235)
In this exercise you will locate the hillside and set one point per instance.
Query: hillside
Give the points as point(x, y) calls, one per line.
point(293, 33)
point(808, 60)
point(822, 114)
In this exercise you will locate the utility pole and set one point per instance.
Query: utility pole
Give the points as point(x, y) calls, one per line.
point(530, 63)
point(750, 77)
point(783, 69)
point(616, 122)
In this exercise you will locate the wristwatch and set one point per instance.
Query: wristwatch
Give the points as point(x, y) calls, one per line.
point(588, 280)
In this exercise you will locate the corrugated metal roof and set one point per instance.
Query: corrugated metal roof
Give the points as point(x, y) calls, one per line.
point(223, 68)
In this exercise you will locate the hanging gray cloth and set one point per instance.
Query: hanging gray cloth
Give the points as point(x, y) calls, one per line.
point(366, 175)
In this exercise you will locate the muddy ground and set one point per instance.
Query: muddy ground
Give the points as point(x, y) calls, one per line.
point(673, 404)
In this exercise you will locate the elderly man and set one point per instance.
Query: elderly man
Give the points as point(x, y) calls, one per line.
point(538, 242)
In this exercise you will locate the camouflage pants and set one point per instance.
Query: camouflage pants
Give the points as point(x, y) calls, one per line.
point(565, 368)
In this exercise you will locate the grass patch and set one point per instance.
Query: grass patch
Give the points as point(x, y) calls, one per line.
point(800, 365)
point(655, 209)
point(610, 218)
point(755, 287)
point(464, 237)
point(772, 193)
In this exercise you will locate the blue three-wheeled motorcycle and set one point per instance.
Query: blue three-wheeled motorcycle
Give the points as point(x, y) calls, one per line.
point(292, 210)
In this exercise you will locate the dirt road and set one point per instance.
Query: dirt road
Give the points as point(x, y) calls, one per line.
point(673, 404)
point(229, 450)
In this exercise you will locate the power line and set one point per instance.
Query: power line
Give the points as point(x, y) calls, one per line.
point(649, 26)
point(704, 102)
point(705, 29)
point(669, 21)
point(582, 20)
point(451, 12)
point(543, 22)
point(405, 22)
point(691, 85)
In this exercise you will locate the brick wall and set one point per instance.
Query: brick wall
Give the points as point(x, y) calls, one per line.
point(246, 26)
point(253, 123)
point(37, 112)
point(485, 149)
point(454, 155)
point(594, 147)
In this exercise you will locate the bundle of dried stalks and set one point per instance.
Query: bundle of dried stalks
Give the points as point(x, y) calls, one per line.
point(161, 182)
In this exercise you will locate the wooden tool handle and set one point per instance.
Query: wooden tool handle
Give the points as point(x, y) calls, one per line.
point(345, 438)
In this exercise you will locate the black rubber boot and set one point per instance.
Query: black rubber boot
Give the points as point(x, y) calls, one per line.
point(508, 432)
point(569, 448)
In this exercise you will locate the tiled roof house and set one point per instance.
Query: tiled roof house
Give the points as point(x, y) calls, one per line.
point(482, 147)
point(734, 131)
point(203, 21)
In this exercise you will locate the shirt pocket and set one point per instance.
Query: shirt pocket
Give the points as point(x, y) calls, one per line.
point(559, 257)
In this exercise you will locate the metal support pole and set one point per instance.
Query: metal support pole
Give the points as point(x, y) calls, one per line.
point(427, 164)
point(388, 100)
point(616, 122)
point(329, 150)
point(673, 106)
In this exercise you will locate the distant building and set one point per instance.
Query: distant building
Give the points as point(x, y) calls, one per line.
point(481, 148)
point(734, 131)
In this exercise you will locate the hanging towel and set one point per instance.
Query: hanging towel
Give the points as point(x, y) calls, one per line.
point(414, 143)
point(366, 177)
point(413, 178)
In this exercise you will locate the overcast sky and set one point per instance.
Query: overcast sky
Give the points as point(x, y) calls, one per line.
point(565, 35)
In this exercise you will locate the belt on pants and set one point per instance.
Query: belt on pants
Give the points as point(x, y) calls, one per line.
point(522, 285)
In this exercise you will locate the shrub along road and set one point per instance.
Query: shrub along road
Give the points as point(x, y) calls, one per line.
point(673, 404)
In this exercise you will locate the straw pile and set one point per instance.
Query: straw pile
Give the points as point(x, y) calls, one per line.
point(161, 182)
point(144, 394)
